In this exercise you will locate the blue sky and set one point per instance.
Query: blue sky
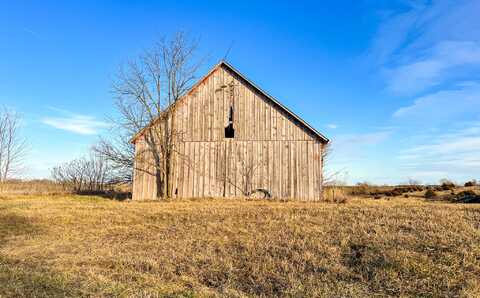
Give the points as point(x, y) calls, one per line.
point(394, 84)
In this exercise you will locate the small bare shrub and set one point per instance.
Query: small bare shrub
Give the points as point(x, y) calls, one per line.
point(446, 184)
point(361, 189)
point(467, 196)
point(334, 195)
point(471, 183)
point(430, 193)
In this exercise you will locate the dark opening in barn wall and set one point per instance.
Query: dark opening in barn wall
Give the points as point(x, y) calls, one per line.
point(229, 130)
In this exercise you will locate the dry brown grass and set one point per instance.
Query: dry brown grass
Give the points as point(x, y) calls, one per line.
point(50, 188)
point(86, 246)
point(31, 187)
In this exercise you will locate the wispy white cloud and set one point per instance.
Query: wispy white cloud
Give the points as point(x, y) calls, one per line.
point(76, 123)
point(392, 34)
point(427, 45)
point(351, 148)
point(443, 105)
point(454, 154)
point(371, 138)
point(332, 126)
point(31, 32)
point(434, 68)
point(356, 156)
point(430, 54)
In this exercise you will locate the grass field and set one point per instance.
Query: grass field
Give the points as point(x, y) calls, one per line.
point(87, 246)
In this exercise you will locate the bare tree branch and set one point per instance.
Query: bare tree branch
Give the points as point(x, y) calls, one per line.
point(146, 90)
point(13, 147)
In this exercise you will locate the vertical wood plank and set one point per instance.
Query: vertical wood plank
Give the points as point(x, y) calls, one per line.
point(149, 168)
point(307, 178)
point(257, 117)
point(249, 161)
point(264, 172)
point(261, 118)
point(238, 113)
point(191, 170)
point(214, 106)
point(226, 99)
point(244, 162)
point(278, 157)
point(274, 124)
point(291, 169)
point(195, 110)
point(201, 162)
point(202, 112)
point(310, 162)
point(218, 91)
point(286, 163)
point(174, 174)
point(315, 171)
point(212, 170)
point(180, 169)
point(208, 162)
point(301, 166)
point(294, 169)
point(254, 123)
point(244, 123)
point(189, 118)
point(270, 165)
point(274, 169)
point(208, 118)
point(267, 121)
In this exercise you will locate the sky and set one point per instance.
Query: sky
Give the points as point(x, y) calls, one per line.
point(395, 85)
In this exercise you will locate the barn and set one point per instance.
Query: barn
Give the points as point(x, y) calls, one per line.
point(237, 140)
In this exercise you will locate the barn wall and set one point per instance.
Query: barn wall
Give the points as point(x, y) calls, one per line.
point(288, 169)
point(278, 152)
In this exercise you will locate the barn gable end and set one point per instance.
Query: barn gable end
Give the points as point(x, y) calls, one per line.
point(236, 138)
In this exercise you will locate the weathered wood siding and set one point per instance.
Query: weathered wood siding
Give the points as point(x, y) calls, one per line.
point(144, 183)
point(285, 155)
point(288, 169)
point(203, 114)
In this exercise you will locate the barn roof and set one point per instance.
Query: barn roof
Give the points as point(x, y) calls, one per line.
point(273, 99)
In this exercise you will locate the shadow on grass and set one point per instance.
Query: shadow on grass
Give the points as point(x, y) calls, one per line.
point(22, 279)
point(12, 225)
point(463, 197)
point(112, 195)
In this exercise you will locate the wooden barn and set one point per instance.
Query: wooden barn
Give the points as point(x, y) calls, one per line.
point(236, 139)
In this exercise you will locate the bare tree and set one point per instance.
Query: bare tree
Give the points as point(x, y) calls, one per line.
point(13, 147)
point(120, 154)
point(331, 180)
point(86, 174)
point(146, 90)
